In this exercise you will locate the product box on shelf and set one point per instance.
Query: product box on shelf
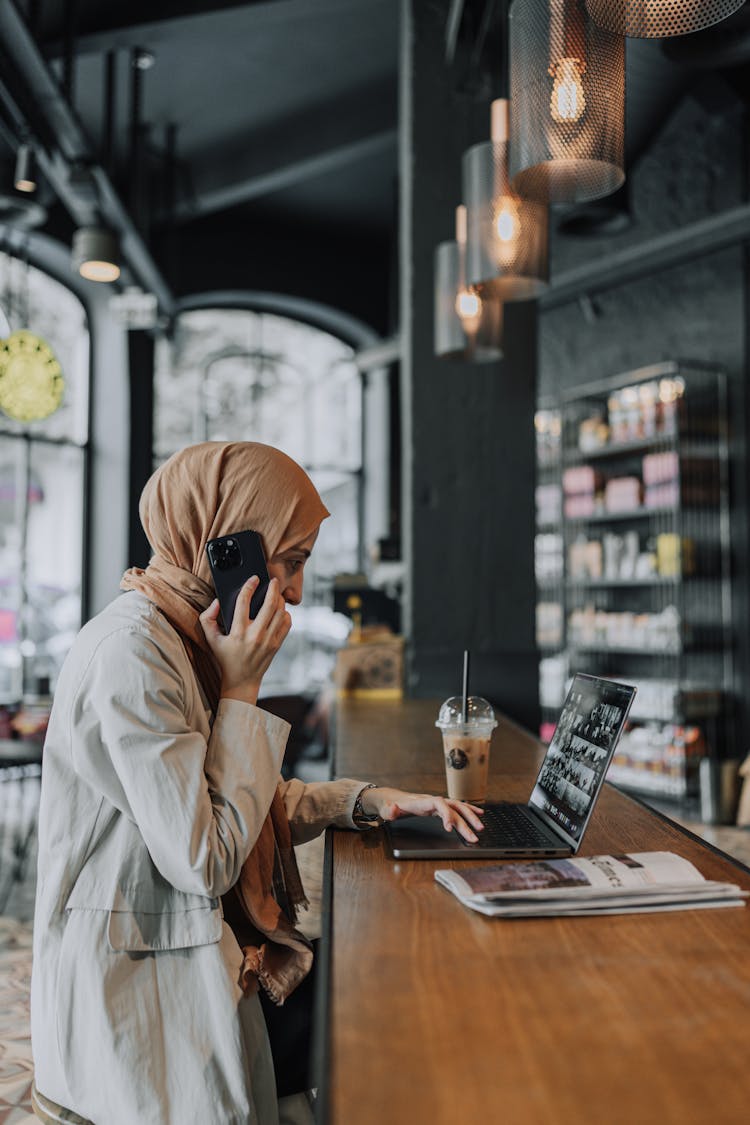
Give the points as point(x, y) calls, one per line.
point(658, 759)
point(622, 494)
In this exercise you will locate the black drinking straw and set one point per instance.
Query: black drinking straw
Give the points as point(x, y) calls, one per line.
point(465, 689)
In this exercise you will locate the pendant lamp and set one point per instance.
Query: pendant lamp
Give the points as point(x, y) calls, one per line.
point(507, 237)
point(567, 90)
point(96, 254)
point(24, 178)
point(467, 325)
point(659, 19)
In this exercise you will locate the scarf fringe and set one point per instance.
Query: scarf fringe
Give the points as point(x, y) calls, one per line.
point(271, 989)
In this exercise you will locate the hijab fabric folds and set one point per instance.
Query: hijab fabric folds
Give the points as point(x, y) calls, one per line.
point(201, 492)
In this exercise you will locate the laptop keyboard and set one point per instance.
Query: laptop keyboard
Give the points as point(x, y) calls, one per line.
point(510, 826)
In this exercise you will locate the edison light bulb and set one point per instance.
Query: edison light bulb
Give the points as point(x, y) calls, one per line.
point(506, 228)
point(468, 306)
point(506, 219)
point(567, 102)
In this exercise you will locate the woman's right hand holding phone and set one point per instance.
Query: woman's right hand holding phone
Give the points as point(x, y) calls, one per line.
point(246, 651)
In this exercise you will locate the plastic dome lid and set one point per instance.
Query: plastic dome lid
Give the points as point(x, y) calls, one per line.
point(479, 713)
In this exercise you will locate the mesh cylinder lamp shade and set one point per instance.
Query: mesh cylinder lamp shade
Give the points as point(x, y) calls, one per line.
point(507, 237)
point(659, 19)
point(567, 96)
point(467, 325)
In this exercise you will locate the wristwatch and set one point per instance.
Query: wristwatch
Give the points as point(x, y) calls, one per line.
point(360, 818)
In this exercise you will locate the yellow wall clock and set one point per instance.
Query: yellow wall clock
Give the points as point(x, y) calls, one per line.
point(31, 381)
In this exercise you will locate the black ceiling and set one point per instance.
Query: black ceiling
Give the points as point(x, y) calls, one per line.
point(290, 104)
point(285, 111)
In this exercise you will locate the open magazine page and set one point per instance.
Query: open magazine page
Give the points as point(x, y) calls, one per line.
point(596, 884)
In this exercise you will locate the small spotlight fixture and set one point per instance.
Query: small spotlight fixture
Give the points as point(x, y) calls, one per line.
point(25, 177)
point(96, 254)
point(143, 59)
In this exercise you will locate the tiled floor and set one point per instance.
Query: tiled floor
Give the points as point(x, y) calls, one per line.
point(16, 1069)
point(15, 932)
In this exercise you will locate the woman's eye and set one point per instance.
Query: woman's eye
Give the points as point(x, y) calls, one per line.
point(293, 565)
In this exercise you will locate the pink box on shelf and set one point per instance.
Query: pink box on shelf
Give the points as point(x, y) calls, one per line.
point(581, 478)
point(622, 494)
point(579, 506)
point(659, 467)
point(665, 495)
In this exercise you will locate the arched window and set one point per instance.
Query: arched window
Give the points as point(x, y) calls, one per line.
point(43, 473)
point(243, 375)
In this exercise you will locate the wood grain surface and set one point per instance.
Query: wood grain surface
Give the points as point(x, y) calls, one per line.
point(438, 1014)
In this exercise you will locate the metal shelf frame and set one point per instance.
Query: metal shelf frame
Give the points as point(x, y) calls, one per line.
point(701, 600)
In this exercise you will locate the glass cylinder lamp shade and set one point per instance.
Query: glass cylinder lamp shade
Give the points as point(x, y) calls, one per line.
point(659, 19)
point(507, 237)
point(567, 96)
point(467, 325)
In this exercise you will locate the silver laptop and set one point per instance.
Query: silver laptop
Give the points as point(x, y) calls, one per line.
point(555, 817)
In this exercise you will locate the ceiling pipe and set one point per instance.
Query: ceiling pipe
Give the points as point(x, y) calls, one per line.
point(110, 112)
point(69, 53)
point(69, 150)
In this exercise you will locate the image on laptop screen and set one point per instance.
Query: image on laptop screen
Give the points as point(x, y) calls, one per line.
point(580, 751)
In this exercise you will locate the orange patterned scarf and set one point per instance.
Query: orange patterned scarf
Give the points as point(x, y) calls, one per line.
point(202, 492)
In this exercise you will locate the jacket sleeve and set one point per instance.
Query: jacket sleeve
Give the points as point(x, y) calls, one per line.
point(315, 806)
point(198, 805)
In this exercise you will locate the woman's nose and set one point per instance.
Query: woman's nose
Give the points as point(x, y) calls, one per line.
point(292, 592)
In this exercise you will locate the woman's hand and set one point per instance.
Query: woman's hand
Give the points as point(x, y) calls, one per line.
point(390, 804)
point(246, 651)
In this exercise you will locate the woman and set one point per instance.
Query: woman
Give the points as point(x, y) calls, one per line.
point(160, 794)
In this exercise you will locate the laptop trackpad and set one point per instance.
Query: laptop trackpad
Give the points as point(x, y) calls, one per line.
point(422, 831)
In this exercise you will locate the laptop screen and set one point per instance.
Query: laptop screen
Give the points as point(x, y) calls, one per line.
point(582, 746)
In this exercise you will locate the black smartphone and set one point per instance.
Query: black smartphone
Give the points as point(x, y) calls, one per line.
point(233, 559)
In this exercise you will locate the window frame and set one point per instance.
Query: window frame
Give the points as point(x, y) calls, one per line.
point(30, 437)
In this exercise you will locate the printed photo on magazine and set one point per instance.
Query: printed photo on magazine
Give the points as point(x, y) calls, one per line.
point(611, 884)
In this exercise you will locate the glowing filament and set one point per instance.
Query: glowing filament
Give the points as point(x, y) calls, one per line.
point(506, 228)
point(468, 306)
point(567, 102)
point(506, 220)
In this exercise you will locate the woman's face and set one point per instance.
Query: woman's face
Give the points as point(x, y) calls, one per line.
point(289, 566)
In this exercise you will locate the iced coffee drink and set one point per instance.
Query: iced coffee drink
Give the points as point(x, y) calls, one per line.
point(466, 746)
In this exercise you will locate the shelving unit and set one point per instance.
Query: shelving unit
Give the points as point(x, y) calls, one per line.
point(633, 563)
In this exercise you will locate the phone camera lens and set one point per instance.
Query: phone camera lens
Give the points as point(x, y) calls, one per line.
point(226, 555)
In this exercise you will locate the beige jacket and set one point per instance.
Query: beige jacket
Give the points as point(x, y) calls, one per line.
point(149, 808)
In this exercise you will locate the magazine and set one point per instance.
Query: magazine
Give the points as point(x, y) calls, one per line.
point(638, 882)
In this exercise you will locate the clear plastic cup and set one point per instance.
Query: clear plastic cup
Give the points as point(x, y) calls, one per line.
point(466, 746)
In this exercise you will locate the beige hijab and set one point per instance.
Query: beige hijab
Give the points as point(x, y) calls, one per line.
point(202, 492)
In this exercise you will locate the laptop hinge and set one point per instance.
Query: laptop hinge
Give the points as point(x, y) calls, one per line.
point(549, 824)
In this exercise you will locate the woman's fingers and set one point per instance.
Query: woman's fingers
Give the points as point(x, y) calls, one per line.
point(270, 605)
point(453, 820)
point(241, 616)
point(467, 812)
point(269, 614)
point(209, 620)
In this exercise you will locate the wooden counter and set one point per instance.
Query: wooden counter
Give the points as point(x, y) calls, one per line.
point(436, 1014)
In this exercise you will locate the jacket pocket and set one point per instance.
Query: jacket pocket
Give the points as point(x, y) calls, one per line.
point(140, 920)
point(138, 931)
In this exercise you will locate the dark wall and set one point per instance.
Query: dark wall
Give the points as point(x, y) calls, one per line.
point(696, 167)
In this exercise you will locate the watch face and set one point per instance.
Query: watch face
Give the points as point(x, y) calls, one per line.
point(31, 382)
